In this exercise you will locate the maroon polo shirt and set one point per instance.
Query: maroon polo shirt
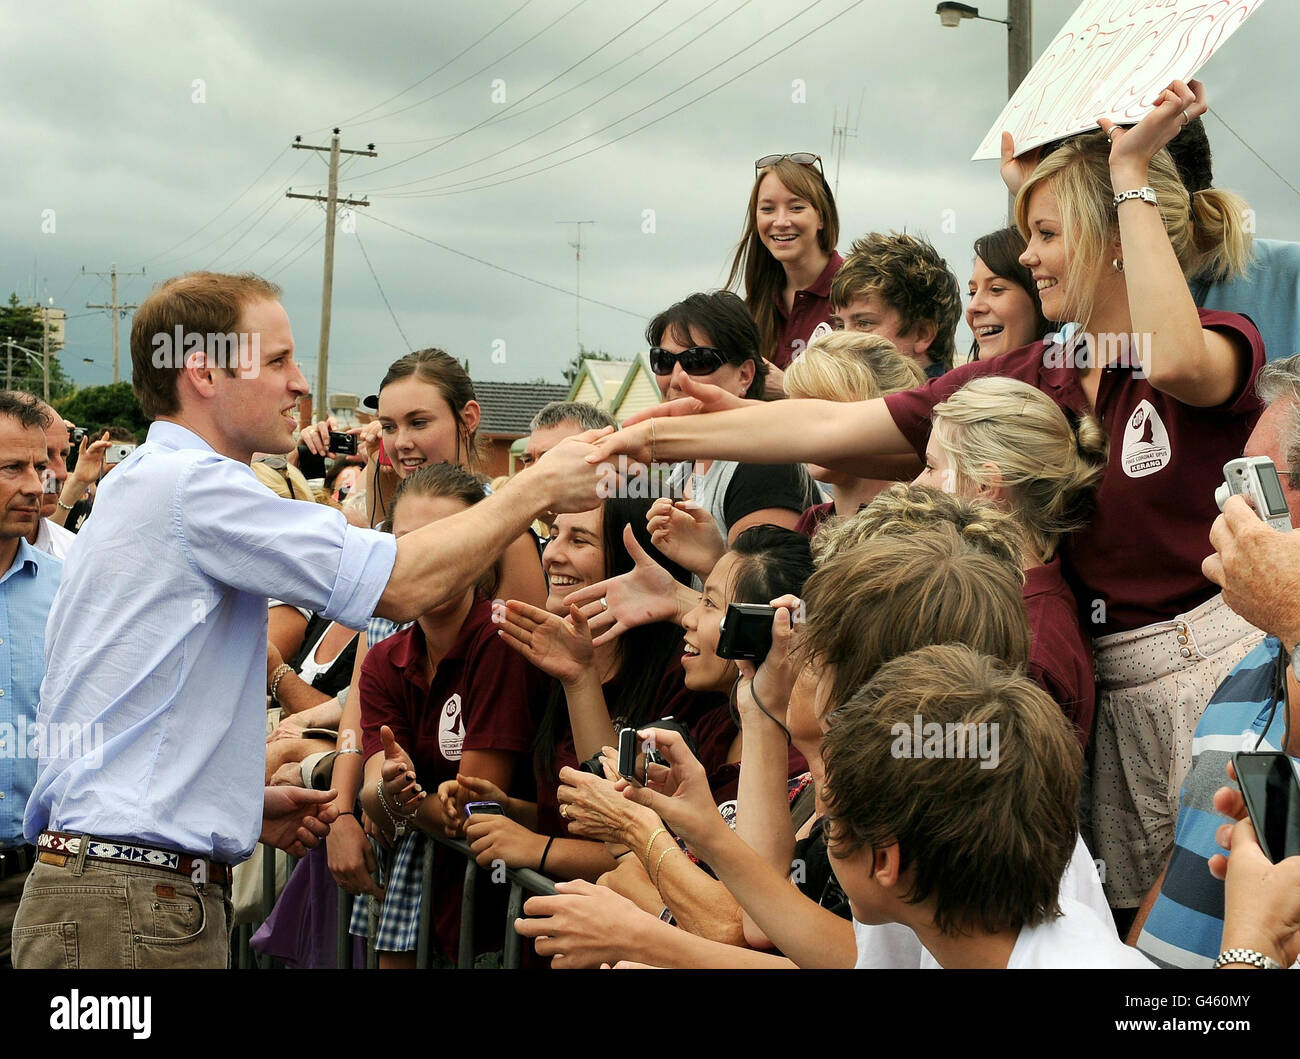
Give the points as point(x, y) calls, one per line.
point(814, 518)
point(705, 713)
point(1060, 655)
point(811, 307)
point(1139, 561)
point(478, 700)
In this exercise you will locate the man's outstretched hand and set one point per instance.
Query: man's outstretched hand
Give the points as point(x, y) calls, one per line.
point(295, 819)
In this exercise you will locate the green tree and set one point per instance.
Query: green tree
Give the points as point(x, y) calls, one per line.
point(575, 363)
point(96, 407)
point(22, 323)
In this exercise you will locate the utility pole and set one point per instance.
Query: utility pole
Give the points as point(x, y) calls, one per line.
point(840, 134)
point(45, 352)
point(117, 309)
point(577, 288)
point(332, 203)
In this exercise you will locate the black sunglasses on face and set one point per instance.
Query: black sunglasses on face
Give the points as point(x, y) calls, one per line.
point(698, 360)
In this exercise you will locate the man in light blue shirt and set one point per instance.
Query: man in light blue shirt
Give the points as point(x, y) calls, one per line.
point(28, 579)
point(158, 635)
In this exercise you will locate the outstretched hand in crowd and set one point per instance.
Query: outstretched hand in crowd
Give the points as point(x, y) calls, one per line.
point(686, 533)
point(559, 647)
point(644, 594)
point(689, 810)
point(295, 819)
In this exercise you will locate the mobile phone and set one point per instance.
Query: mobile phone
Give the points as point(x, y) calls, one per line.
point(1272, 794)
point(484, 809)
point(1256, 477)
point(746, 631)
point(343, 444)
point(627, 747)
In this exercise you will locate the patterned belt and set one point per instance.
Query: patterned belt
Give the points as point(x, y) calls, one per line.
point(199, 869)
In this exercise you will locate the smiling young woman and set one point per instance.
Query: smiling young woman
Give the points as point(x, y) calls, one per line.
point(786, 255)
point(1003, 313)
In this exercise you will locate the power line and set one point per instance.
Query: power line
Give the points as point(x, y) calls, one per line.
point(1255, 152)
point(292, 217)
point(464, 51)
point(507, 271)
point(285, 268)
point(222, 211)
point(469, 77)
point(582, 110)
point(268, 270)
point(784, 47)
point(569, 117)
point(362, 247)
point(569, 69)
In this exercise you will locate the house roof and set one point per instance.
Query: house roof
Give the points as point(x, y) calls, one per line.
point(509, 407)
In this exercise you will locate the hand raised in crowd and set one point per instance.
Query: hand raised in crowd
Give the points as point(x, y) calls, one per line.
point(90, 462)
point(597, 810)
point(295, 819)
point(774, 680)
point(582, 925)
point(492, 837)
point(643, 595)
point(559, 647)
point(1258, 569)
point(1132, 149)
point(690, 810)
point(402, 792)
point(686, 533)
point(351, 858)
point(1261, 899)
point(1015, 171)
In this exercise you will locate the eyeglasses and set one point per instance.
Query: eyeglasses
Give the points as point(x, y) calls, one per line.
point(698, 360)
point(799, 157)
point(280, 464)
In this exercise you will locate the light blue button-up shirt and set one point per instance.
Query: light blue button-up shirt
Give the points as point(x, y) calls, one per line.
point(26, 594)
point(156, 645)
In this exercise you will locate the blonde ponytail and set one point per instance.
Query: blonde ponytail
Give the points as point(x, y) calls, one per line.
point(997, 431)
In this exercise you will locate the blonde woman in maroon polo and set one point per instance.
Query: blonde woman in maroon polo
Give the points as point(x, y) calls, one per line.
point(1172, 386)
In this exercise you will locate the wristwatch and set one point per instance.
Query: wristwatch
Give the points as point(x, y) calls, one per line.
point(1145, 194)
point(1250, 956)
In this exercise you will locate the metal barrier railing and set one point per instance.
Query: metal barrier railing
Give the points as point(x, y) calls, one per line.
point(522, 880)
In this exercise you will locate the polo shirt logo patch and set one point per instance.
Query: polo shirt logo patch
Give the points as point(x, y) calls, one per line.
point(451, 729)
point(1146, 442)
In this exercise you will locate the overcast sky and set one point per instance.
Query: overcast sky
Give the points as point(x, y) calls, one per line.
point(159, 135)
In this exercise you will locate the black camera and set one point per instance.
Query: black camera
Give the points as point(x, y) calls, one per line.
point(343, 444)
point(629, 749)
point(75, 434)
point(746, 632)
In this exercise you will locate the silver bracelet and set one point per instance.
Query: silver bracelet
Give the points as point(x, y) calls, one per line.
point(1145, 194)
point(396, 818)
point(349, 750)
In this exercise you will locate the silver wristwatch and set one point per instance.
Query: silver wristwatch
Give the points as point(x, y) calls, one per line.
point(1250, 956)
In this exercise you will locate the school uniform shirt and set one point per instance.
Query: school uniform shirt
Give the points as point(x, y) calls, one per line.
point(478, 700)
point(705, 713)
point(811, 307)
point(1060, 655)
point(1139, 560)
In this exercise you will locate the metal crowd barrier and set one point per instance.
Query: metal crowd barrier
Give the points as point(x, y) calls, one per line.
point(522, 880)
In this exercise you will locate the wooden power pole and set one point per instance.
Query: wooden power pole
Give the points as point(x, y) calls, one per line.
point(118, 309)
point(332, 202)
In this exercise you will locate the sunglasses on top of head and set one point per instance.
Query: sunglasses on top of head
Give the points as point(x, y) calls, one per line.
point(698, 360)
point(799, 157)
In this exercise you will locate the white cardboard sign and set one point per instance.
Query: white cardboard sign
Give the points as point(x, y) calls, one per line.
point(1112, 59)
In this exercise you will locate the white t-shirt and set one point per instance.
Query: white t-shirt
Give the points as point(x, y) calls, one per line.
point(895, 946)
point(53, 539)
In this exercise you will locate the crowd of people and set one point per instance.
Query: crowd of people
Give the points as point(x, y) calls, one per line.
point(923, 660)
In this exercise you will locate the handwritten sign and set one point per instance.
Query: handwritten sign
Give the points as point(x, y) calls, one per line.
point(1112, 59)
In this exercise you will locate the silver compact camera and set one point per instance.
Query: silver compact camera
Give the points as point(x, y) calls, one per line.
point(1256, 477)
